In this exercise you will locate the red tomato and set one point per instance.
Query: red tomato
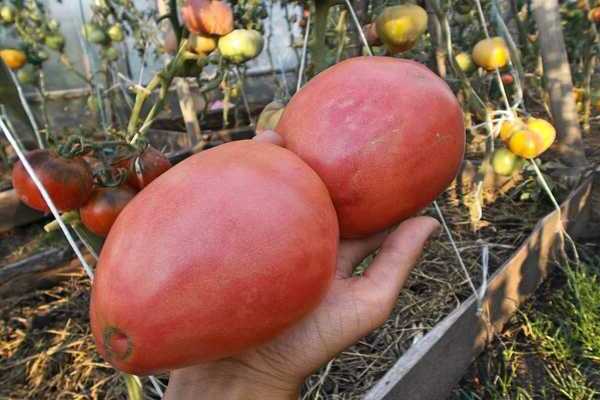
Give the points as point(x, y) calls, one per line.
point(218, 255)
point(386, 136)
point(211, 17)
point(152, 163)
point(103, 208)
point(507, 79)
point(69, 182)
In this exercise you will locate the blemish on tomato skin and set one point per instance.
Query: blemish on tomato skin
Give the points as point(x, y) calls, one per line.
point(117, 345)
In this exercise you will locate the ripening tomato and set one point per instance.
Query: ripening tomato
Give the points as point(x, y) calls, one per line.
point(399, 27)
point(55, 41)
point(525, 143)
point(386, 135)
point(464, 62)
point(505, 162)
point(7, 14)
point(241, 45)
point(69, 182)
point(211, 17)
point(594, 15)
point(491, 53)
point(103, 207)
point(509, 127)
point(370, 32)
point(115, 33)
point(507, 79)
point(202, 44)
point(220, 254)
point(544, 129)
point(14, 59)
point(144, 169)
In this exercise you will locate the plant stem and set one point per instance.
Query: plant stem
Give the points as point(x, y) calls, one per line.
point(319, 47)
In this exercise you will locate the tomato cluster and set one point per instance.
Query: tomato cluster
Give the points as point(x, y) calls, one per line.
point(70, 183)
point(38, 35)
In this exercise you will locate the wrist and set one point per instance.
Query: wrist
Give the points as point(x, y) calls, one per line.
point(228, 382)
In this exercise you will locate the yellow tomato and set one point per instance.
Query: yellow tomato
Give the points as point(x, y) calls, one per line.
point(525, 144)
point(464, 61)
point(578, 94)
point(14, 59)
point(399, 27)
point(544, 130)
point(508, 128)
point(202, 44)
point(491, 53)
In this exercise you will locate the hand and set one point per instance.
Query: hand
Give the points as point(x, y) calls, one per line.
point(353, 307)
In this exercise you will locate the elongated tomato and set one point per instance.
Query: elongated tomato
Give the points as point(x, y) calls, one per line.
point(386, 136)
point(219, 254)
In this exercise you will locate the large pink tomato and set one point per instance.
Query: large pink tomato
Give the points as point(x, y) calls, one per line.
point(220, 254)
point(386, 136)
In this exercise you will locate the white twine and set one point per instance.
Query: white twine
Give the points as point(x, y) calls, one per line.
point(485, 266)
point(456, 250)
point(363, 38)
point(46, 197)
point(27, 109)
point(156, 384)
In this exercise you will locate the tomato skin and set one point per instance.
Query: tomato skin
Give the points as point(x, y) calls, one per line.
point(153, 164)
point(239, 242)
point(69, 182)
point(211, 17)
point(386, 142)
point(103, 208)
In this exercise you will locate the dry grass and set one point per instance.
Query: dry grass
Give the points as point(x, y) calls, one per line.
point(47, 351)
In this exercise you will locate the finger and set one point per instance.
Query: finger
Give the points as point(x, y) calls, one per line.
point(270, 137)
point(352, 252)
point(380, 285)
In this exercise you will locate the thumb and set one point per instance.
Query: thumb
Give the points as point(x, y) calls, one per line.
point(381, 283)
point(269, 137)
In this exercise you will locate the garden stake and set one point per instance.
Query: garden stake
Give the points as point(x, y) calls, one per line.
point(303, 57)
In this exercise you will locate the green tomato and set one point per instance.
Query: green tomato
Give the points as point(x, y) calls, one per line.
point(111, 54)
point(92, 103)
point(37, 57)
point(93, 34)
point(53, 25)
point(241, 45)
point(27, 75)
point(7, 14)
point(115, 33)
point(55, 41)
point(505, 162)
point(190, 68)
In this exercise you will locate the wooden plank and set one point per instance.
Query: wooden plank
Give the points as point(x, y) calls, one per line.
point(432, 367)
point(14, 213)
point(41, 271)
